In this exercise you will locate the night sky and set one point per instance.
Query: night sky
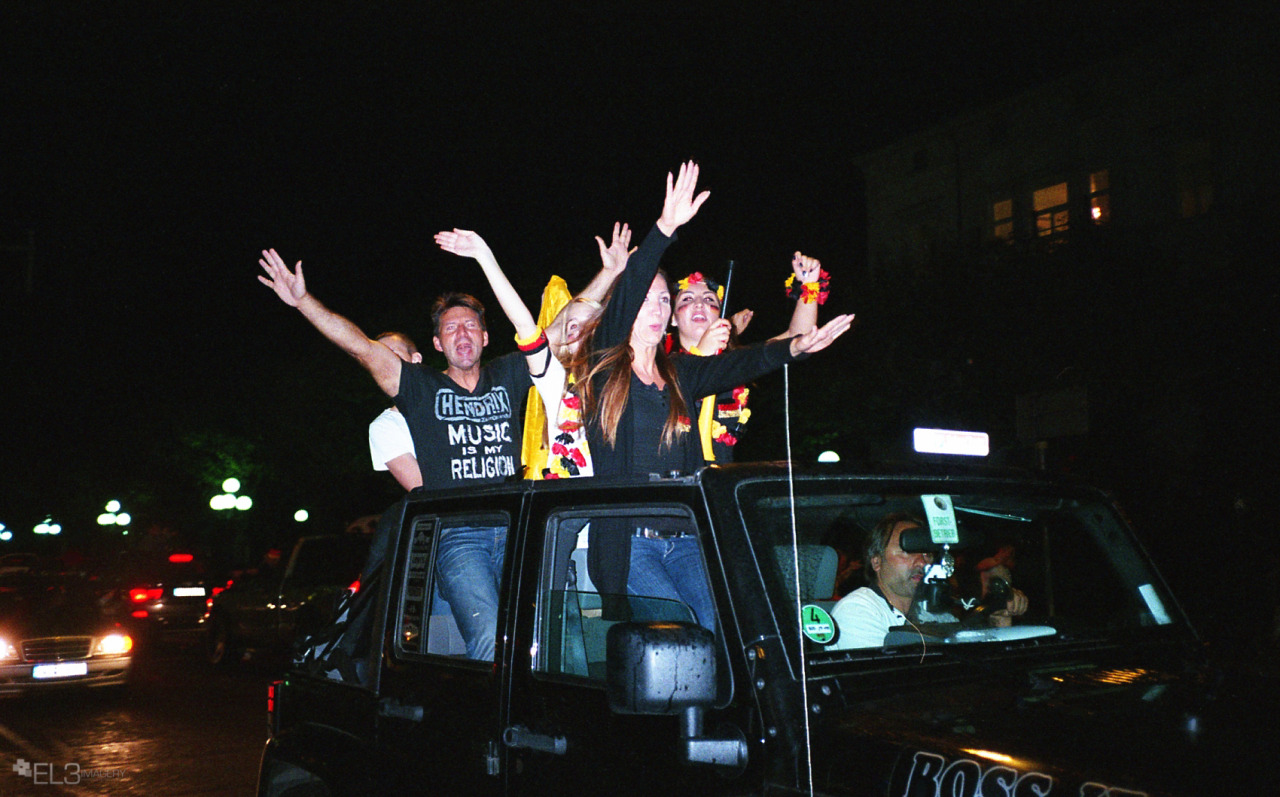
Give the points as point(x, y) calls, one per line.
point(153, 153)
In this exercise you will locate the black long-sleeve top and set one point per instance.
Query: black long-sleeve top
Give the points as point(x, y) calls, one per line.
point(695, 376)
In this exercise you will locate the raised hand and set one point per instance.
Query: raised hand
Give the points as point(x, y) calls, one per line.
point(716, 337)
point(819, 338)
point(740, 320)
point(681, 204)
point(613, 258)
point(463, 242)
point(289, 286)
point(806, 269)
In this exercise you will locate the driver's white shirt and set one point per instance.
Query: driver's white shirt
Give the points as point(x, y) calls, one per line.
point(864, 618)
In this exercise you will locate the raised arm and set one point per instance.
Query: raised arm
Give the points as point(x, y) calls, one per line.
point(613, 259)
point(811, 280)
point(467, 244)
point(377, 359)
point(568, 323)
point(680, 205)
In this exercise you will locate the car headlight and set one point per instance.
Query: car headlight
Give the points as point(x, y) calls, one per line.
point(7, 651)
point(113, 645)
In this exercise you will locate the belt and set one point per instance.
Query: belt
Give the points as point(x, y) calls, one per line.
point(660, 534)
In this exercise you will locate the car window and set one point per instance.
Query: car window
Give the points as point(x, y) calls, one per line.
point(426, 625)
point(609, 565)
point(1068, 553)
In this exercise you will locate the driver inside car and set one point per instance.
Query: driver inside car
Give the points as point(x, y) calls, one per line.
point(865, 615)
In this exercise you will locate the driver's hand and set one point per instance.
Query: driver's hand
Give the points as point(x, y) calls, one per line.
point(1017, 605)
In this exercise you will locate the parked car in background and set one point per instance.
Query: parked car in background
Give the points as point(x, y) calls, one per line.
point(149, 591)
point(53, 634)
point(269, 610)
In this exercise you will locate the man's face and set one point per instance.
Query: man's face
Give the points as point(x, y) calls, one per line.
point(462, 337)
point(696, 307)
point(899, 573)
point(650, 327)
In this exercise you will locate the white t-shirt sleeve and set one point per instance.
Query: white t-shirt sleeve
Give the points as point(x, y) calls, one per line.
point(389, 438)
point(864, 618)
point(551, 388)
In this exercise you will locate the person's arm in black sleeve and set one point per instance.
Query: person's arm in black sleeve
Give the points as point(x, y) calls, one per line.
point(680, 205)
point(702, 376)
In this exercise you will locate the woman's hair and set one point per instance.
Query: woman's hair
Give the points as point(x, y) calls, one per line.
point(675, 288)
point(606, 409)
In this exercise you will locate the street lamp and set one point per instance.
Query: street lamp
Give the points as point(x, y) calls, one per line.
point(301, 515)
point(5, 534)
point(228, 499)
point(47, 526)
point(828, 456)
point(112, 516)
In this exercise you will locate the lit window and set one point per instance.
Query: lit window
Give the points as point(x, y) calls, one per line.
point(1050, 205)
point(1100, 197)
point(1002, 220)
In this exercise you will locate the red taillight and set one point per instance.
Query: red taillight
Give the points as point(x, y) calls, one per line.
point(145, 594)
point(180, 558)
point(141, 614)
point(354, 587)
point(271, 706)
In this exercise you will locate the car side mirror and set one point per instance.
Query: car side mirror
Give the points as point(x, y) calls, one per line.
point(659, 668)
point(670, 668)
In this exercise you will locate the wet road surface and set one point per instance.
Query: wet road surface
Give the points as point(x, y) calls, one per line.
point(180, 728)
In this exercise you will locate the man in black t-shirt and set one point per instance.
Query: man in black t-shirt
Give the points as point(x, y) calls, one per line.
point(465, 424)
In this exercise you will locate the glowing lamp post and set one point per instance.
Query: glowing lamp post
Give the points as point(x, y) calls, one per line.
point(229, 500)
point(113, 516)
point(48, 526)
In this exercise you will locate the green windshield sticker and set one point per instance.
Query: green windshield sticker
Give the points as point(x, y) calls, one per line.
point(816, 624)
point(941, 515)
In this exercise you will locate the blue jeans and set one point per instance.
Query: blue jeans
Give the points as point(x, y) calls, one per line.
point(672, 569)
point(469, 566)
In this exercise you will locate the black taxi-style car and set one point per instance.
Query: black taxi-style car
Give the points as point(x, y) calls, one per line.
point(1100, 688)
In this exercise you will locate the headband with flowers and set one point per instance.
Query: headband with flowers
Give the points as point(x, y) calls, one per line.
point(695, 278)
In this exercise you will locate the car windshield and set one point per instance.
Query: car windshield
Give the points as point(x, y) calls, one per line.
point(1068, 552)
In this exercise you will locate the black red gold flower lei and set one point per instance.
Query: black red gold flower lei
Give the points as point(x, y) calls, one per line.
point(810, 292)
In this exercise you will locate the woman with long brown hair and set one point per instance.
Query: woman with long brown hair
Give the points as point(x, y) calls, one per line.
point(637, 400)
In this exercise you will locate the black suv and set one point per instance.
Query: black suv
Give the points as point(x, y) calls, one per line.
point(1098, 689)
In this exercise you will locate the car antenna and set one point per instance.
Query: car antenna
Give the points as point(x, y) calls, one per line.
point(795, 557)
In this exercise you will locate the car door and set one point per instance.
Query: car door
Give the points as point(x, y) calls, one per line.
point(438, 708)
point(560, 737)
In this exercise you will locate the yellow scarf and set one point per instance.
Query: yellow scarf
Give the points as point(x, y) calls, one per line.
point(533, 450)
